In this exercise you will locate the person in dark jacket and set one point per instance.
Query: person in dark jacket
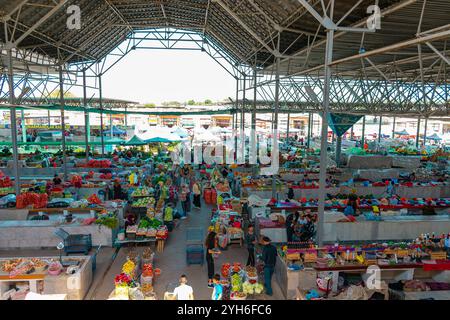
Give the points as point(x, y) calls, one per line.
point(291, 221)
point(269, 257)
point(290, 193)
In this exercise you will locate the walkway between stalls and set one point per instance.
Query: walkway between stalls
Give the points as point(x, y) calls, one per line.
point(172, 262)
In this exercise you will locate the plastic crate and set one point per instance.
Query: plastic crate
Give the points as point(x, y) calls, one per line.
point(194, 236)
point(195, 254)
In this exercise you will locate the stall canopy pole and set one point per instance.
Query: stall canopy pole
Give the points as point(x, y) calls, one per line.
point(100, 94)
point(63, 122)
point(379, 129)
point(49, 119)
point(86, 117)
point(363, 135)
point(393, 128)
point(274, 152)
point(425, 132)
point(418, 133)
point(324, 137)
point(13, 123)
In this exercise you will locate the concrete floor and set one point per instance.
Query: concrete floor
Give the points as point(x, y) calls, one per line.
point(172, 263)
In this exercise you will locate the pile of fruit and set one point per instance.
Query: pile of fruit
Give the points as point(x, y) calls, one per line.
point(107, 176)
point(122, 280)
point(98, 164)
point(236, 282)
point(37, 201)
point(147, 270)
point(5, 182)
point(226, 270)
point(129, 267)
point(143, 202)
point(141, 192)
point(6, 190)
point(162, 233)
point(94, 199)
point(10, 265)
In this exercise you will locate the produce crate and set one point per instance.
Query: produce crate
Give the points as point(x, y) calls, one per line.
point(195, 254)
point(194, 236)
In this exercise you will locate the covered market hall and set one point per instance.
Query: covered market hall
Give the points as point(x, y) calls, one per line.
point(330, 158)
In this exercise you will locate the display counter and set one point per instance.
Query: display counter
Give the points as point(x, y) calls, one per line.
point(395, 227)
point(74, 286)
point(40, 234)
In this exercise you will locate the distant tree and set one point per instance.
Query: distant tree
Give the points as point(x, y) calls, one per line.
point(171, 104)
point(55, 94)
point(150, 105)
point(191, 103)
point(208, 102)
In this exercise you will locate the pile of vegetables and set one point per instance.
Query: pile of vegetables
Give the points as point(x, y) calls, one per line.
point(147, 223)
point(249, 288)
point(108, 220)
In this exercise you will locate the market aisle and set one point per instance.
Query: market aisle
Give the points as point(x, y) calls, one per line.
point(172, 262)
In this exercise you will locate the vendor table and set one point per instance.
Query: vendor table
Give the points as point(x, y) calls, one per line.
point(120, 243)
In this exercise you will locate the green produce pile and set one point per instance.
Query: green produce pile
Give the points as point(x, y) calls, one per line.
point(108, 220)
point(147, 222)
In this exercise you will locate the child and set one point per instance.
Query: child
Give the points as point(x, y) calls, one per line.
point(217, 292)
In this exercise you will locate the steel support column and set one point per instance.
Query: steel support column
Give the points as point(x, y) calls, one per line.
point(274, 152)
point(425, 132)
point(338, 150)
point(100, 101)
point(24, 126)
point(363, 135)
point(418, 133)
point(13, 124)
point(236, 119)
point(310, 123)
point(393, 128)
point(379, 129)
point(287, 127)
point(243, 120)
point(86, 117)
point(253, 158)
point(63, 122)
point(324, 137)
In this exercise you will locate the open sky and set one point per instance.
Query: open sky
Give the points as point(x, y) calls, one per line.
point(168, 75)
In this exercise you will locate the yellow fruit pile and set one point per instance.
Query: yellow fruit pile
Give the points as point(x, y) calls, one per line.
point(128, 267)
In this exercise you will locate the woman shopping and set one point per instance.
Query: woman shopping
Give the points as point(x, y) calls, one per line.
point(197, 191)
point(211, 248)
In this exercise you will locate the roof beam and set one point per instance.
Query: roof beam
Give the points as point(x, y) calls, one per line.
point(393, 47)
point(447, 60)
point(247, 28)
point(41, 21)
point(117, 12)
point(392, 9)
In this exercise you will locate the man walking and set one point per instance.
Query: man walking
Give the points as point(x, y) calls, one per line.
point(183, 291)
point(269, 257)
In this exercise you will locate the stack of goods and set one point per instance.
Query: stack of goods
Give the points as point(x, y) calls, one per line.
point(98, 164)
point(94, 199)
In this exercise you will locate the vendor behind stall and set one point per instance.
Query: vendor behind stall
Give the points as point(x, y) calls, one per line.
point(57, 180)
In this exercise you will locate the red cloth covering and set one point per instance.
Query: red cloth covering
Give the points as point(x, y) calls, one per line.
point(438, 265)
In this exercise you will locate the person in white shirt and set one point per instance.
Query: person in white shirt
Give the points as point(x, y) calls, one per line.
point(183, 291)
